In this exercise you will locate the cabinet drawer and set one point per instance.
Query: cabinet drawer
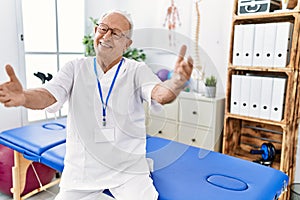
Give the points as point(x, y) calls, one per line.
point(169, 111)
point(196, 112)
point(161, 128)
point(195, 136)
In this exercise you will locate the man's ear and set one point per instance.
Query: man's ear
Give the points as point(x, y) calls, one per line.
point(128, 43)
point(95, 29)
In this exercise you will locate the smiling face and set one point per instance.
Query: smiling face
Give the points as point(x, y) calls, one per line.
point(109, 48)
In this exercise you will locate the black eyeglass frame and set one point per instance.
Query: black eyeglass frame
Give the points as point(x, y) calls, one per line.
point(115, 32)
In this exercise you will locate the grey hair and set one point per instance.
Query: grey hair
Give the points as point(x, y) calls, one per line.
point(124, 14)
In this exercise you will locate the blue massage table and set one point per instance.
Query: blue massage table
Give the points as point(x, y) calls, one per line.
point(181, 172)
point(29, 143)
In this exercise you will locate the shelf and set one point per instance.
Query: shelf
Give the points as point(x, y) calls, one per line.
point(274, 16)
point(258, 120)
point(262, 69)
point(245, 155)
point(264, 121)
point(243, 133)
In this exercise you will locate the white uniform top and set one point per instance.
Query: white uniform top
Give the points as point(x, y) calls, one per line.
point(98, 158)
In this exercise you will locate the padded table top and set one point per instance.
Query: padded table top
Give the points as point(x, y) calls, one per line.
point(183, 172)
point(54, 157)
point(34, 139)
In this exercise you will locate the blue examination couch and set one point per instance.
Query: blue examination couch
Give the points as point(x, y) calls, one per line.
point(181, 172)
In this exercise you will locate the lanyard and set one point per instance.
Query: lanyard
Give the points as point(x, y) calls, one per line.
point(104, 105)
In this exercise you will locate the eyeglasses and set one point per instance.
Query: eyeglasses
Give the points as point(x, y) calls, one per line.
point(116, 33)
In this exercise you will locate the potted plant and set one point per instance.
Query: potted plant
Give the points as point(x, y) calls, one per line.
point(210, 86)
point(88, 40)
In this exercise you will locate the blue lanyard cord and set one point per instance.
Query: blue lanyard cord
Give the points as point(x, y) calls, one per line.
point(104, 105)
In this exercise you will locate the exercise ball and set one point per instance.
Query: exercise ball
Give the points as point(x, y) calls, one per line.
point(162, 74)
point(46, 174)
point(170, 74)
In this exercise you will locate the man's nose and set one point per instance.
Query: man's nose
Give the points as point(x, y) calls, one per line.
point(108, 34)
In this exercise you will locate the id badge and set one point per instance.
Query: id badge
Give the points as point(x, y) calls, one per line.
point(104, 134)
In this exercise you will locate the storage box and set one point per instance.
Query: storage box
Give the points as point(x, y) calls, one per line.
point(257, 6)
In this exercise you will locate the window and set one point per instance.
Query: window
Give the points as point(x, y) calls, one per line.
point(53, 32)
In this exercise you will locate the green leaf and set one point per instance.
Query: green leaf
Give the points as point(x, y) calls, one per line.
point(135, 54)
point(211, 81)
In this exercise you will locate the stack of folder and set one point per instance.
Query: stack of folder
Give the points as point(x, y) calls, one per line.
point(258, 96)
point(262, 45)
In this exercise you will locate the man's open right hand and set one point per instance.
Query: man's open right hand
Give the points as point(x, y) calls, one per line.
point(11, 92)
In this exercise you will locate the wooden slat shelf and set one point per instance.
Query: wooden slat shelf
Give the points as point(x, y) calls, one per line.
point(286, 70)
point(245, 155)
point(263, 18)
point(258, 120)
point(244, 133)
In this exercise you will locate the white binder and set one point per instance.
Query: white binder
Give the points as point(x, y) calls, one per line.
point(278, 95)
point(258, 44)
point(269, 44)
point(248, 41)
point(235, 94)
point(255, 94)
point(282, 45)
point(266, 97)
point(245, 95)
point(237, 45)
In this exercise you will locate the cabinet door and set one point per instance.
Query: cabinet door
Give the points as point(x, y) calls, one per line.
point(200, 137)
point(169, 111)
point(196, 112)
point(161, 128)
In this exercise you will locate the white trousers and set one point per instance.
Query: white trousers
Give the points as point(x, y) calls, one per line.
point(137, 188)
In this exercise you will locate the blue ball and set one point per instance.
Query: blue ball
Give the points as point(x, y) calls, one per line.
point(170, 74)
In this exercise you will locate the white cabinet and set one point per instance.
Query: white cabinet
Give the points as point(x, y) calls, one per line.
point(162, 128)
point(169, 111)
point(191, 119)
point(196, 112)
point(197, 136)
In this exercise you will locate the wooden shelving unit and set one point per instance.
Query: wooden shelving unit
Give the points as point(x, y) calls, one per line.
point(243, 133)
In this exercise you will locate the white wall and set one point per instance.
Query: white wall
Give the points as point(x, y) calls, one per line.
point(216, 16)
point(9, 53)
point(214, 25)
point(144, 13)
